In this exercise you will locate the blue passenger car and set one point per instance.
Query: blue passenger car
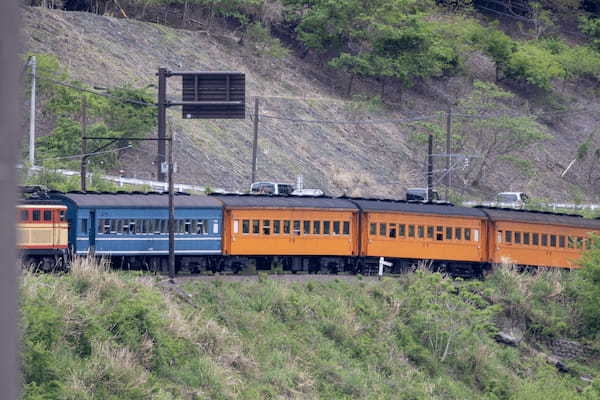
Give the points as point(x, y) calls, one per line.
point(132, 228)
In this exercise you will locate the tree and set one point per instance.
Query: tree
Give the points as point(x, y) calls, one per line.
point(494, 136)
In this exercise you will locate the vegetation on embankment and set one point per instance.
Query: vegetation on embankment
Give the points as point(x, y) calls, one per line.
point(99, 334)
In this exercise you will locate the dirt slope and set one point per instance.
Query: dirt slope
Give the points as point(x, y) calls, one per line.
point(367, 159)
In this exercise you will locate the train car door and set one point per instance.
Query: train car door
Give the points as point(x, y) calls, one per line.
point(92, 233)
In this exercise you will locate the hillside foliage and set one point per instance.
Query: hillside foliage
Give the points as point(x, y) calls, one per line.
point(401, 40)
point(100, 334)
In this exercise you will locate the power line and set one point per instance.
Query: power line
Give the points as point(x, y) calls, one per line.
point(87, 154)
point(138, 102)
point(350, 122)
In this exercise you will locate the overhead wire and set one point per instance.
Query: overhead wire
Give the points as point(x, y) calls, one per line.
point(86, 154)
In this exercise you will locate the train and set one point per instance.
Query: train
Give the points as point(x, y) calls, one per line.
point(236, 232)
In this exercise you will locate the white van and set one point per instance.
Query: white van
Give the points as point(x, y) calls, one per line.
point(271, 188)
point(511, 199)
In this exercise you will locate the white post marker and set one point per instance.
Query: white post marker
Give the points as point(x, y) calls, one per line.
point(383, 263)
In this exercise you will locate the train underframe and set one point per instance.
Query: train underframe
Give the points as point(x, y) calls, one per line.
point(45, 260)
point(296, 264)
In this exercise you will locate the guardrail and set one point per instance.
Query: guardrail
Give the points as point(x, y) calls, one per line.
point(121, 181)
point(553, 206)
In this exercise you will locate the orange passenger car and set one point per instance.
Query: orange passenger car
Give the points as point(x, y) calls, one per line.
point(265, 225)
point(538, 238)
point(42, 233)
point(296, 229)
point(447, 235)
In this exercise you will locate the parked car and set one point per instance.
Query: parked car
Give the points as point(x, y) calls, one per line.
point(420, 194)
point(275, 188)
point(511, 199)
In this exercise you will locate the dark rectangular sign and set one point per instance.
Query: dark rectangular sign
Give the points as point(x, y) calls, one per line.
point(222, 95)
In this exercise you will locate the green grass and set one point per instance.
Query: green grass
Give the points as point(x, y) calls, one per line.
point(97, 334)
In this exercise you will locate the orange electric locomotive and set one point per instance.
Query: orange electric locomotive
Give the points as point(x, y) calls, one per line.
point(42, 233)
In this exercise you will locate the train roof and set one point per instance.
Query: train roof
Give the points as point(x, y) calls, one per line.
point(135, 199)
point(39, 203)
point(540, 217)
point(417, 207)
point(278, 201)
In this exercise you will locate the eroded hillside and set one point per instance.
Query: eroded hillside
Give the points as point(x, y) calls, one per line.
point(299, 100)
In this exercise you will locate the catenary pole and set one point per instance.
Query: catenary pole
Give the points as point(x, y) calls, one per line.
point(429, 167)
point(33, 64)
point(255, 141)
point(162, 122)
point(448, 152)
point(171, 213)
point(84, 157)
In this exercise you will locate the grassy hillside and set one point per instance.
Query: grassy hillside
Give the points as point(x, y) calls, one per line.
point(467, 61)
point(96, 334)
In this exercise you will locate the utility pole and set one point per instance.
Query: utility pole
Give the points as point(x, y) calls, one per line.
point(162, 121)
point(255, 142)
point(171, 212)
point(448, 151)
point(162, 137)
point(84, 157)
point(33, 64)
point(430, 167)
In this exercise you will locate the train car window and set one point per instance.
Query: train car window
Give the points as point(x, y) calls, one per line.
point(236, 226)
point(246, 226)
point(119, 226)
point(458, 233)
point(156, 226)
point(336, 227)
point(544, 240)
point(373, 229)
point(421, 231)
point(346, 228)
point(570, 242)
point(215, 226)
point(476, 235)
point(401, 230)
point(24, 215)
point(276, 227)
point(125, 227)
point(508, 236)
point(561, 241)
point(526, 238)
point(382, 229)
point(588, 244)
point(317, 227)
point(552, 240)
point(579, 242)
point(517, 237)
point(47, 215)
point(36, 215)
point(255, 226)
point(439, 233)
point(326, 226)
point(187, 226)
point(100, 226)
point(306, 227)
point(430, 232)
point(296, 227)
point(266, 227)
point(83, 225)
point(286, 227)
point(106, 227)
point(113, 226)
point(411, 231)
point(62, 215)
point(468, 234)
point(499, 237)
point(535, 239)
point(392, 230)
point(448, 233)
point(132, 226)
